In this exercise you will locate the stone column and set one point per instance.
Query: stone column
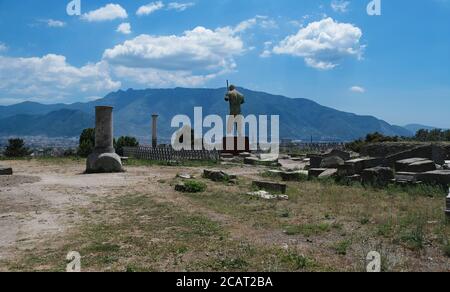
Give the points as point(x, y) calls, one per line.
point(104, 159)
point(154, 131)
point(104, 130)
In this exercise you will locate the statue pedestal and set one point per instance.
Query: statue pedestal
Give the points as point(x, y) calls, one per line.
point(235, 145)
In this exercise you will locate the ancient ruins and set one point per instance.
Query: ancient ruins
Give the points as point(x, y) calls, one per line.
point(104, 159)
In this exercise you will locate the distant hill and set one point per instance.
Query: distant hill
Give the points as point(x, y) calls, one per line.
point(416, 127)
point(60, 123)
point(299, 118)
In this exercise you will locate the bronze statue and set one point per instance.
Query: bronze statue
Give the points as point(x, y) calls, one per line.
point(235, 99)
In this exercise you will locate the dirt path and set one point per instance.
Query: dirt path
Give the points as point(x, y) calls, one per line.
point(43, 199)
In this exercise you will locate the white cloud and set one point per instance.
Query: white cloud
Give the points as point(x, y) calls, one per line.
point(108, 12)
point(357, 89)
point(55, 23)
point(150, 8)
point(124, 28)
point(267, 50)
point(191, 58)
point(179, 6)
point(323, 44)
point(3, 47)
point(340, 6)
point(51, 78)
point(261, 21)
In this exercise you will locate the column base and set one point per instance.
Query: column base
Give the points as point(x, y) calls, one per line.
point(103, 163)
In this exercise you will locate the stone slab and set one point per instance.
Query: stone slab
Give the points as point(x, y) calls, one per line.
point(270, 186)
point(406, 177)
point(328, 173)
point(441, 177)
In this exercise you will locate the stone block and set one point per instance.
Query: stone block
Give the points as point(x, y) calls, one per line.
point(293, 175)
point(439, 177)
point(406, 177)
point(315, 172)
point(270, 186)
point(344, 155)
point(332, 162)
point(6, 171)
point(315, 161)
point(377, 176)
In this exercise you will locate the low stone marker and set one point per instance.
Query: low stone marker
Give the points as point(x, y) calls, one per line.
point(6, 171)
point(270, 186)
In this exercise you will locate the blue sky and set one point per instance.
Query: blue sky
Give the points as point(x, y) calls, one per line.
point(394, 66)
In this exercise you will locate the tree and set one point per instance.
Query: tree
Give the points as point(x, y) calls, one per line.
point(86, 143)
point(16, 148)
point(125, 142)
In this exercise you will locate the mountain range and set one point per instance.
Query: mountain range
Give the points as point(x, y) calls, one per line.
point(300, 119)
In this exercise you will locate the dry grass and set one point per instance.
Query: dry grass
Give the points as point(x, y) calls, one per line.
point(322, 227)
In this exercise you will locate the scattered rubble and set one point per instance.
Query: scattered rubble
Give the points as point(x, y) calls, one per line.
point(218, 175)
point(267, 196)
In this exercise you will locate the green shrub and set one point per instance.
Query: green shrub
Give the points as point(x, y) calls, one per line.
point(86, 142)
point(125, 141)
point(342, 247)
point(16, 148)
point(193, 186)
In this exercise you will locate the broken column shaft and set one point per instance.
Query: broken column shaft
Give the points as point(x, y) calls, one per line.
point(154, 130)
point(104, 130)
point(104, 159)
